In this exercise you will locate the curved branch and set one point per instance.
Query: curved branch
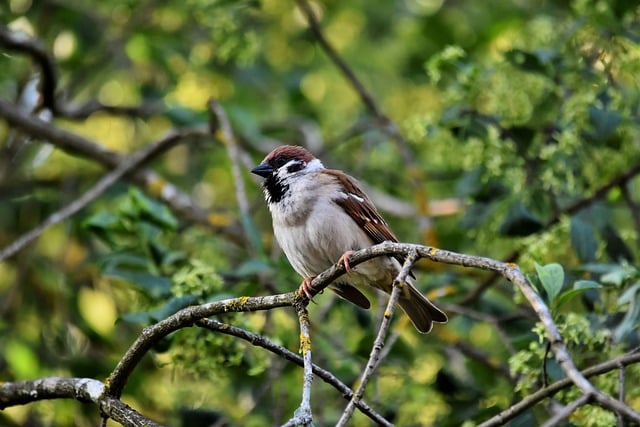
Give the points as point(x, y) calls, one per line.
point(511, 272)
point(326, 376)
point(81, 389)
point(21, 43)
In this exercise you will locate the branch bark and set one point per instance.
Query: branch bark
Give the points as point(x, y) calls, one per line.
point(146, 178)
point(81, 389)
point(127, 166)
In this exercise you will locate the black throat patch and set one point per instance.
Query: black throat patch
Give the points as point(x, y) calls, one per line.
point(275, 189)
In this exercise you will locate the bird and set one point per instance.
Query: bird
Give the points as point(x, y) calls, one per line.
point(320, 217)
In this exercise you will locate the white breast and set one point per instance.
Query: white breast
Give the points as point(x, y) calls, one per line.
point(311, 229)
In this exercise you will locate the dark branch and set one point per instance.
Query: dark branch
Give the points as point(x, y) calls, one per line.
point(513, 411)
point(23, 44)
point(147, 179)
point(127, 166)
point(326, 376)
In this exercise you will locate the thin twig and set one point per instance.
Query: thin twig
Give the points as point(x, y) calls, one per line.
point(304, 416)
point(528, 402)
point(147, 179)
point(326, 376)
point(378, 344)
point(128, 165)
point(621, 392)
point(221, 128)
point(386, 125)
point(314, 26)
point(567, 411)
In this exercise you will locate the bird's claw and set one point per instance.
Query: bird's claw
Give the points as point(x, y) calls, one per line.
point(305, 287)
point(344, 261)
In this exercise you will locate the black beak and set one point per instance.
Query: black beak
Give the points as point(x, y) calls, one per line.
point(263, 169)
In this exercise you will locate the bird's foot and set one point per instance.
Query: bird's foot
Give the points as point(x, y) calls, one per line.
point(344, 261)
point(305, 288)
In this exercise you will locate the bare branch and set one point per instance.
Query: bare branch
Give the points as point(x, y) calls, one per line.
point(378, 344)
point(304, 416)
point(147, 179)
point(618, 181)
point(326, 376)
point(385, 124)
point(621, 392)
point(21, 43)
point(528, 402)
point(181, 319)
point(190, 315)
point(81, 389)
point(221, 128)
point(568, 410)
point(314, 26)
point(128, 165)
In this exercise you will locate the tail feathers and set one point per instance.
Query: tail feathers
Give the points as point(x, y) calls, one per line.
point(420, 310)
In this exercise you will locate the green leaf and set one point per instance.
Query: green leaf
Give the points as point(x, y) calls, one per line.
point(182, 116)
point(172, 306)
point(252, 267)
point(473, 186)
point(124, 260)
point(102, 221)
point(632, 312)
point(520, 222)
point(540, 61)
point(604, 123)
point(615, 247)
point(552, 278)
point(154, 285)
point(578, 287)
point(153, 211)
point(618, 275)
point(583, 240)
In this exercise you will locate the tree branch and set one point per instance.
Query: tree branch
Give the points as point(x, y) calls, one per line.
point(147, 179)
point(190, 315)
point(81, 389)
point(378, 344)
point(526, 403)
point(326, 376)
point(568, 410)
point(23, 44)
point(127, 166)
point(304, 416)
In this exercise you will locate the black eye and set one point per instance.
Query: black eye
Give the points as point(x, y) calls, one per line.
point(295, 167)
point(279, 161)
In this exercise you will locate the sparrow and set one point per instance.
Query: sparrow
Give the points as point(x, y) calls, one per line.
point(320, 216)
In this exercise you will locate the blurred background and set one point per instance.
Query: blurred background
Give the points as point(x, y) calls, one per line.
point(500, 129)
